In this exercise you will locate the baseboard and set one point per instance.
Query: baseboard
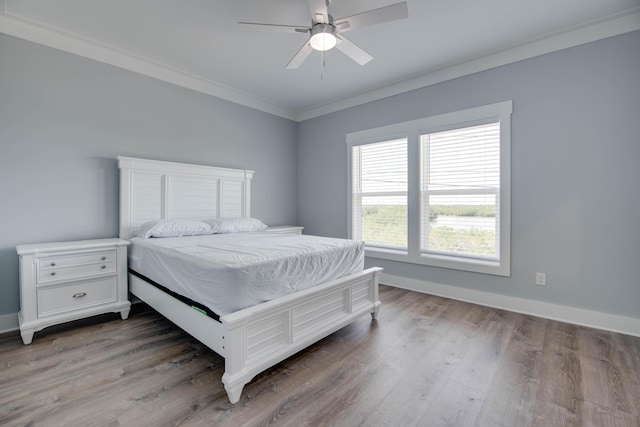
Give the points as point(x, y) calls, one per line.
point(563, 313)
point(8, 323)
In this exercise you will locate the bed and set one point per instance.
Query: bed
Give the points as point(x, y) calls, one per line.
point(250, 339)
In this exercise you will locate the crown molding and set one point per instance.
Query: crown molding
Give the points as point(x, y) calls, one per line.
point(56, 38)
point(72, 43)
point(586, 33)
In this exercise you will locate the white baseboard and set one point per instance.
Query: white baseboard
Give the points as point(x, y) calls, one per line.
point(563, 313)
point(8, 323)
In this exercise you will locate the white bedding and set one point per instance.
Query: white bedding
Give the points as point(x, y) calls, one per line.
point(229, 272)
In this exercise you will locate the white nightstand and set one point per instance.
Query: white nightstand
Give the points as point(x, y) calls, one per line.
point(66, 281)
point(288, 229)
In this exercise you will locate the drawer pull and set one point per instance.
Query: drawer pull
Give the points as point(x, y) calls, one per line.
point(103, 267)
point(53, 264)
point(53, 273)
point(79, 295)
point(103, 258)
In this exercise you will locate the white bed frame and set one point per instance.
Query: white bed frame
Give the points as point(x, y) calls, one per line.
point(258, 337)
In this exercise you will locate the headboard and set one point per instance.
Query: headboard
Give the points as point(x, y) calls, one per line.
point(151, 189)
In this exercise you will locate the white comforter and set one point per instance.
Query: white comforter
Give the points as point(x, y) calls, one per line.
point(229, 272)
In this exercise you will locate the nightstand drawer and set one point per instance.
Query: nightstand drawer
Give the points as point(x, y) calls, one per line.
point(59, 299)
point(75, 266)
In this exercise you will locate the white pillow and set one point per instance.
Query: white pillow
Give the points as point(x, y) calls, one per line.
point(173, 228)
point(235, 225)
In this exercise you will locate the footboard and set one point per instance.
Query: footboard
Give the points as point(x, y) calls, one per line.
point(258, 337)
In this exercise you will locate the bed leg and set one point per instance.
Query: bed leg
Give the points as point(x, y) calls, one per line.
point(234, 391)
point(376, 309)
point(234, 384)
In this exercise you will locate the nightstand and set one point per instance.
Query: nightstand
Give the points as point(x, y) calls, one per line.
point(60, 282)
point(287, 229)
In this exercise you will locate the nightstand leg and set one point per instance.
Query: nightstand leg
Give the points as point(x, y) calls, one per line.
point(27, 335)
point(124, 313)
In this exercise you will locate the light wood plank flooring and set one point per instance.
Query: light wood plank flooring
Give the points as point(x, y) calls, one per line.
point(427, 361)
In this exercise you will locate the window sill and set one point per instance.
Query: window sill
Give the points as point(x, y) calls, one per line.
point(442, 261)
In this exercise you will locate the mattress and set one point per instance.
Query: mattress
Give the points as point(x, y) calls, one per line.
point(229, 272)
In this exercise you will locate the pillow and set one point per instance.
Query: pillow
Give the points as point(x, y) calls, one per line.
point(235, 225)
point(172, 228)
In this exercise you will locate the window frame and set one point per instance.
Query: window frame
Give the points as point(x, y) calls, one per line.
point(412, 130)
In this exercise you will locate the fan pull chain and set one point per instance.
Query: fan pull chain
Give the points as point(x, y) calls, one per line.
point(322, 65)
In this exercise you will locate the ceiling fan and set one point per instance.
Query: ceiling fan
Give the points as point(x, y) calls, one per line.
point(325, 33)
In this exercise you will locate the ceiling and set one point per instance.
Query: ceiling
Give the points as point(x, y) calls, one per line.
point(198, 44)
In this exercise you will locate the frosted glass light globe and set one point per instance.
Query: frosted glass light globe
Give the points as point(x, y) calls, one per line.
point(323, 41)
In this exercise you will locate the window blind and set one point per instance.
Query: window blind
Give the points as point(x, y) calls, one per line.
point(379, 197)
point(460, 187)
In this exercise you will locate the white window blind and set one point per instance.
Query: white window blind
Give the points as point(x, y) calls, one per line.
point(460, 188)
point(379, 193)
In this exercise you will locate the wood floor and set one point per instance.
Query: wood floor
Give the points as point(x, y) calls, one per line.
point(426, 361)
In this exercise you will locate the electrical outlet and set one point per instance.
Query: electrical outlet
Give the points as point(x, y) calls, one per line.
point(541, 279)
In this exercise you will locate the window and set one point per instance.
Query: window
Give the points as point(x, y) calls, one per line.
point(435, 191)
point(460, 190)
point(380, 193)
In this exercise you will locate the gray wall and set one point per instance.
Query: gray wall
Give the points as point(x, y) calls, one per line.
point(575, 172)
point(575, 154)
point(64, 119)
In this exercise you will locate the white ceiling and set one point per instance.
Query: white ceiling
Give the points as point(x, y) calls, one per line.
point(197, 44)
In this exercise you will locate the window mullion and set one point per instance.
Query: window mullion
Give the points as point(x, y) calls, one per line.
point(413, 199)
point(424, 191)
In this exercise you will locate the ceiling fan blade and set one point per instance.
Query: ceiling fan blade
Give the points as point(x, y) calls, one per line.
point(273, 27)
point(373, 17)
point(352, 51)
point(319, 13)
point(299, 57)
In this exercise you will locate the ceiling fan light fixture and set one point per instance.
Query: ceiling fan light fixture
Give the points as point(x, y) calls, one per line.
point(325, 33)
point(323, 37)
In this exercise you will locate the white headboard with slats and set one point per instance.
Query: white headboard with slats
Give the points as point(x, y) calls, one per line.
point(151, 189)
